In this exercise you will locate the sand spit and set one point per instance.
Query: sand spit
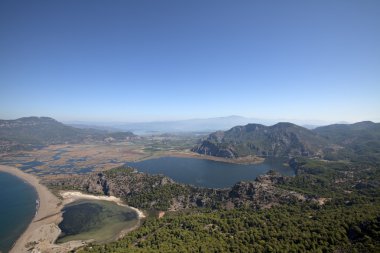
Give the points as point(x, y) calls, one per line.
point(43, 231)
point(71, 196)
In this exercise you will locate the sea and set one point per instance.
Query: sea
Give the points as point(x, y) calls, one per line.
point(17, 209)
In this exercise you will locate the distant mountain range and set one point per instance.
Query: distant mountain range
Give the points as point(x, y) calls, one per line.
point(286, 139)
point(339, 141)
point(31, 132)
point(359, 140)
point(177, 126)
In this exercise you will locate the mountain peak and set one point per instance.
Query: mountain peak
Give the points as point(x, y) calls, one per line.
point(364, 123)
point(284, 125)
point(282, 139)
point(35, 119)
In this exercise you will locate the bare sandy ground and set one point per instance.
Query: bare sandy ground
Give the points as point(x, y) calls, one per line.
point(43, 231)
point(71, 196)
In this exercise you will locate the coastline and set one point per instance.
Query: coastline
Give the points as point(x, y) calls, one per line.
point(241, 160)
point(43, 231)
point(43, 227)
point(71, 196)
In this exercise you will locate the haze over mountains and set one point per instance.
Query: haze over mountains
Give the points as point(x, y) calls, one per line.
point(336, 176)
point(31, 132)
point(189, 125)
point(337, 141)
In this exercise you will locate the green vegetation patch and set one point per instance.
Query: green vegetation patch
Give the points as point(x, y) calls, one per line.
point(287, 228)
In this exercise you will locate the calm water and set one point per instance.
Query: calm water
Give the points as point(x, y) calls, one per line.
point(206, 173)
point(17, 209)
point(95, 219)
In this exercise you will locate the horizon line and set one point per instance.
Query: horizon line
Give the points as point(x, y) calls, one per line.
point(271, 120)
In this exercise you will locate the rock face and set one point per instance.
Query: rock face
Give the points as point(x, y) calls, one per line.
point(159, 192)
point(333, 142)
point(282, 139)
point(262, 192)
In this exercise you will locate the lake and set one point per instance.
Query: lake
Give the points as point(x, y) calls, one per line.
point(95, 219)
point(17, 209)
point(208, 173)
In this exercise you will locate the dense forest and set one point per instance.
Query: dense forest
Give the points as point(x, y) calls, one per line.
point(332, 204)
point(347, 220)
point(289, 228)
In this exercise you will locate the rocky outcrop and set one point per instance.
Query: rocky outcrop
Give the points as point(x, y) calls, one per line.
point(160, 192)
point(262, 193)
point(209, 148)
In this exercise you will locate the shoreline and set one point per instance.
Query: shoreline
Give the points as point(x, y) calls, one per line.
point(71, 196)
point(43, 230)
point(241, 160)
point(43, 225)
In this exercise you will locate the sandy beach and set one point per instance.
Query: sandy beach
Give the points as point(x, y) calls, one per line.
point(70, 196)
point(43, 231)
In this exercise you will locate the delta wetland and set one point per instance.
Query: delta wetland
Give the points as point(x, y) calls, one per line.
point(97, 156)
point(64, 159)
point(148, 173)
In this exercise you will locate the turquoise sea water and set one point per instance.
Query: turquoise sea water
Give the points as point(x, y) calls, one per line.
point(17, 209)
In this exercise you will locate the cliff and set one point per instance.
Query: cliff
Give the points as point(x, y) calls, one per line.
point(161, 193)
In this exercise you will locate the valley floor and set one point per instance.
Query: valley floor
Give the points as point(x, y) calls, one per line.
point(84, 158)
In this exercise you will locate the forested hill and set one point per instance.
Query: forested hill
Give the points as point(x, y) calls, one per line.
point(359, 141)
point(333, 142)
point(282, 139)
point(345, 134)
point(337, 211)
point(31, 132)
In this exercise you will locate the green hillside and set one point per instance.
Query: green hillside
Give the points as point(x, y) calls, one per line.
point(282, 139)
point(360, 141)
point(32, 132)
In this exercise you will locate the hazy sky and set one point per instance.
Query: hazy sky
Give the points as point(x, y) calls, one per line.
point(148, 60)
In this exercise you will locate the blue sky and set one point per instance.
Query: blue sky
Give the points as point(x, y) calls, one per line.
point(157, 60)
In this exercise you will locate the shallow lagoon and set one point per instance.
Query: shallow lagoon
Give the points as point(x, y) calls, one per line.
point(102, 221)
